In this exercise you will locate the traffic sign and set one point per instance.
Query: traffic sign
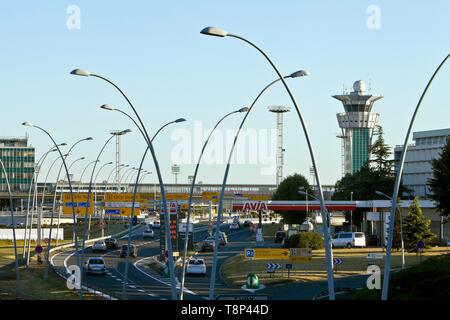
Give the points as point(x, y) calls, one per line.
point(289, 266)
point(273, 266)
point(46, 240)
point(266, 253)
point(375, 256)
point(249, 253)
point(301, 254)
point(243, 297)
point(421, 244)
point(252, 281)
point(38, 249)
point(337, 261)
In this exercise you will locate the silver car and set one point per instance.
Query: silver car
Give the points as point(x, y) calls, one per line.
point(95, 265)
point(99, 246)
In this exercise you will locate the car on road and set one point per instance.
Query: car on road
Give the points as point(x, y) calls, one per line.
point(279, 236)
point(349, 240)
point(95, 265)
point(133, 251)
point(148, 233)
point(156, 224)
point(99, 246)
point(223, 240)
point(205, 246)
point(197, 267)
point(247, 223)
point(112, 243)
point(235, 226)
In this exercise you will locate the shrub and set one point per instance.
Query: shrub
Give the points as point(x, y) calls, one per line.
point(312, 240)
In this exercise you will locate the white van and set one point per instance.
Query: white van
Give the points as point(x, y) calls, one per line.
point(349, 240)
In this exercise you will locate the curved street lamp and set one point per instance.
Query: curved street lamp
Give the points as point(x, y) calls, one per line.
point(146, 137)
point(13, 227)
point(387, 265)
point(213, 31)
point(82, 174)
point(70, 187)
point(34, 182)
point(188, 215)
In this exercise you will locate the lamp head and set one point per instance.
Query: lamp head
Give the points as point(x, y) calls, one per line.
point(379, 193)
point(213, 31)
point(107, 107)
point(300, 73)
point(245, 109)
point(80, 72)
point(82, 158)
point(110, 162)
point(28, 124)
point(63, 144)
point(89, 139)
point(180, 120)
point(126, 131)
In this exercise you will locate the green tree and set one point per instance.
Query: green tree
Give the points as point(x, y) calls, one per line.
point(288, 190)
point(416, 228)
point(397, 240)
point(380, 154)
point(440, 182)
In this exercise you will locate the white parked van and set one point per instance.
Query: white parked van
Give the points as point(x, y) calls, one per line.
point(349, 240)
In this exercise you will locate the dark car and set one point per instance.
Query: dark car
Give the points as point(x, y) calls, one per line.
point(205, 246)
point(247, 223)
point(112, 243)
point(133, 251)
point(279, 236)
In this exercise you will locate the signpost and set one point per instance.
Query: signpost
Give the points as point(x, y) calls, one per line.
point(421, 248)
point(252, 281)
point(337, 262)
point(266, 253)
point(289, 268)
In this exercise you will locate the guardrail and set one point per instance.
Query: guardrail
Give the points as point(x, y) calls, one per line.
point(89, 289)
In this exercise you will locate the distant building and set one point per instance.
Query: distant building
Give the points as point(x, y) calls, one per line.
point(417, 169)
point(18, 158)
point(357, 124)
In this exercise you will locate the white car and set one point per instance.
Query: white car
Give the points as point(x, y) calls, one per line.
point(235, 226)
point(349, 240)
point(196, 266)
point(95, 265)
point(99, 246)
point(148, 233)
point(156, 224)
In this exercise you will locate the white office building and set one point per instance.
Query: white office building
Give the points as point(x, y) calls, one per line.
point(417, 169)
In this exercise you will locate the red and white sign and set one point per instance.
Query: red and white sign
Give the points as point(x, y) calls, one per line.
point(173, 207)
point(255, 206)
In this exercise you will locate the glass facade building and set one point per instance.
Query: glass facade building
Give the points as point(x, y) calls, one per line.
point(19, 160)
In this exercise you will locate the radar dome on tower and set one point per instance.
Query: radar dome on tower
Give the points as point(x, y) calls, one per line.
point(359, 86)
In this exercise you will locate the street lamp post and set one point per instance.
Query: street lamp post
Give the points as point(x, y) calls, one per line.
point(212, 31)
point(90, 191)
point(82, 174)
point(222, 193)
point(188, 215)
point(95, 199)
point(351, 213)
point(13, 227)
point(70, 188)
point(106, 107)
point(387, 266)
point(142, 128)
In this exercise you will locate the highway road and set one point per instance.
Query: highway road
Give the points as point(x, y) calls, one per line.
point(146, 284)
point(143, 282)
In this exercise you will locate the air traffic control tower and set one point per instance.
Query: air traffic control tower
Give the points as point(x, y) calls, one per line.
point(357, 123)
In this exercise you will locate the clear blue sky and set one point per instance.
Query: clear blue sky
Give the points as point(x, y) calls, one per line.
point(154, 51)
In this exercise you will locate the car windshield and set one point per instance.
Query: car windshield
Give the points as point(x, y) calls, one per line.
point(99, 243)
point(96, 261)
point(196, 262)
point(359, 235)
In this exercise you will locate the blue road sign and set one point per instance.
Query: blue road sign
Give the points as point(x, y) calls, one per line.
point(249, 253)
point(289, 266)
point(112, 211)
point(337, 261)
point(420, 244)
point(273, 266)
point(38, 249)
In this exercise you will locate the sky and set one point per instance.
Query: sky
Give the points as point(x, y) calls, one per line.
point(154, 51)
